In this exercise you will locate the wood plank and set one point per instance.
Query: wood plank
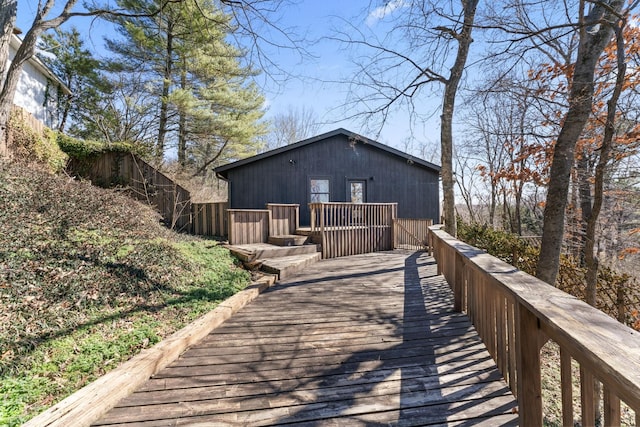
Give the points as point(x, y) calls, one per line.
point(611, 409)
point(396, 359)
point(529, 380)
point(186, 394)
point(587, 398)
point(370, 409)
point(251, 354)
point(382, 395)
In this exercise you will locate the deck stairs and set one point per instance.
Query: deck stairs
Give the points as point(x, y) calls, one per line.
point(284, 255)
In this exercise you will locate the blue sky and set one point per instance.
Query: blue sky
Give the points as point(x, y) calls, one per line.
point(330, 61)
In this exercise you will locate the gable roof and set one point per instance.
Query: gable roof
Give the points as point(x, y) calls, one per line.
point(222, 170)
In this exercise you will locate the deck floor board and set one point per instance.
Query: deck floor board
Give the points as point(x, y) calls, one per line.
point(364, 340)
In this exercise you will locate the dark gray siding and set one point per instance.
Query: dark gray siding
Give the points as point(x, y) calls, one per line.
point(284, 178)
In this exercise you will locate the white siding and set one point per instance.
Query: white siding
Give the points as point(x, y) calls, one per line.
point(31, 92)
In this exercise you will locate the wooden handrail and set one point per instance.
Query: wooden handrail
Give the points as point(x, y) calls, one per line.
point(515, 314)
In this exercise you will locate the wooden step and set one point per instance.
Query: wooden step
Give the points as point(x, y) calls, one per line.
point(286, 251)
point(288, 240)
point(257, 251)
point(289, 265)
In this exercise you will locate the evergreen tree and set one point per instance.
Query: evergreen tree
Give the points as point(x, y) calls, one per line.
point(206, 105)
point(221, 120)
point(74, 65)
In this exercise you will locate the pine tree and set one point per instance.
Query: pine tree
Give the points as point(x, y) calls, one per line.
point(74, 65)
point(207, 106)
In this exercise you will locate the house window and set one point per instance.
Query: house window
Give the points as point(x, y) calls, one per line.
point(357, 191)
point(319, 190)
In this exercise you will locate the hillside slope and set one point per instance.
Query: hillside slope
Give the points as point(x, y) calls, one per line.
point(89, 277)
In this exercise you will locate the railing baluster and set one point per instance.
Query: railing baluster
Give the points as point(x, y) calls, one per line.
point(566, 388)
point(500, 346)
point(457, 285)
point(529, 378)
point(611, 409)
point(587, 398)
point(511, 331)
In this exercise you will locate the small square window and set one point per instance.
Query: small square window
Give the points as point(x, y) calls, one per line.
point(319, 190)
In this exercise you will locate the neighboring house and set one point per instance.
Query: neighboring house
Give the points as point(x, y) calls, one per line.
point(38, 88)
point(338, 166)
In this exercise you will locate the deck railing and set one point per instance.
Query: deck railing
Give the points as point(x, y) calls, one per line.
point(515, 314)
point(411, 233)
point(353, 228)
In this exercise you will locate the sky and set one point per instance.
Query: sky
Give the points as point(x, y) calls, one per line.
point(314, 88)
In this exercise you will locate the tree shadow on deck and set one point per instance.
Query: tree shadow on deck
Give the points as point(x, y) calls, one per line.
point(434, 370)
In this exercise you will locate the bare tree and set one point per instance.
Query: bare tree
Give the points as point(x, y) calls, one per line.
point(426, 49)
point(595, 31)
point(291, 126)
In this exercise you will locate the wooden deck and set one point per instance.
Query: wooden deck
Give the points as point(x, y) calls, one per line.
point(364, 340)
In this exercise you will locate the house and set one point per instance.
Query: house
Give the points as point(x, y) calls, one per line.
point(338, 166)
point(38, 88)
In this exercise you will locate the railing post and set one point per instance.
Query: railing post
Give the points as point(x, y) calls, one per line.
point(528, 339)
point(323, 240)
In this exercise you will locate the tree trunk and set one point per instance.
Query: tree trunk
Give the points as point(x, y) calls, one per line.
point(182, 123)
point(517, 218)
point(591, 261)
point(65, 113)
point(583, 173)
point(592, 44)
point(493, 203)
point(8, 10)
point(448, 105)
point(164, 101)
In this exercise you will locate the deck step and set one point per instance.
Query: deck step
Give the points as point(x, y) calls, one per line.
point(286, 251)
point(286, 266)
point(257, 251)
point(289, 240)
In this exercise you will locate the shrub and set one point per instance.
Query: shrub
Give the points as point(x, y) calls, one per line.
point(79, 149)
point(506, 246)
point(28, 145)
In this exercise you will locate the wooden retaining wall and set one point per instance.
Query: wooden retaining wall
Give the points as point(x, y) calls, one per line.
point(411, 233)
point(353, 228)
point(515, 314)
